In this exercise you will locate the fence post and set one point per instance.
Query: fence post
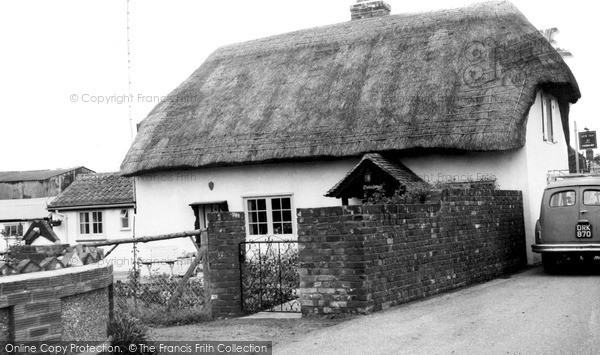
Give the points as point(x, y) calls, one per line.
point(186, 277)
point(206, 271)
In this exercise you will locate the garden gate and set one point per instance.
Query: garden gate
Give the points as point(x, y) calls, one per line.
point(269, 275)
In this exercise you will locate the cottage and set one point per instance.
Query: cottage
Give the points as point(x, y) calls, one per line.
point(274, 124)
point(97, 207)
point(24, 196)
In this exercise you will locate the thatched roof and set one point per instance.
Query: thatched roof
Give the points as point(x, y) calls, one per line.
point(396, 170)
point(459, 79)
point(100, 189)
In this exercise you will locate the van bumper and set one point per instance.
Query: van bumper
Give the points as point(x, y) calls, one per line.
point(565, 248)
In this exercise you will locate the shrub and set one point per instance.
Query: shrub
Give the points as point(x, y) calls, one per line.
point(411, 193)
point(422, 193)
point(125, 329)
point(148, 300)
point(270, 278)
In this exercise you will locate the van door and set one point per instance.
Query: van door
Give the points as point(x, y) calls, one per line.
point(560, 213)
point(588, 227)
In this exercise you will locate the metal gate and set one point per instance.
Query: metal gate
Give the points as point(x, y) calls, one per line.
point(269, 276)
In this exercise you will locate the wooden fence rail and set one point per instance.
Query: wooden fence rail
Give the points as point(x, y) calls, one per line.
point(187, 234)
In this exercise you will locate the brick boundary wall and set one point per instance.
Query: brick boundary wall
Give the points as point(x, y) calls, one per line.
point(361, 259)
point(47, 306)
point(221, 267)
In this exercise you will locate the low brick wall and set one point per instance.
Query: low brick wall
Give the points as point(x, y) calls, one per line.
point(360, 259)
point(222, 266)
point(67, 304)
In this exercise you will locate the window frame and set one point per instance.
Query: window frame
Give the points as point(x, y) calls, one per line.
point(9, 226)
point(123, 218)
point(269, 212)
point(583, 197)
point(561, 192)
point(90, 223)
point(548, 107)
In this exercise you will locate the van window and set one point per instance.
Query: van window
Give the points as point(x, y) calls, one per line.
point(562, 199)
point(591, 197)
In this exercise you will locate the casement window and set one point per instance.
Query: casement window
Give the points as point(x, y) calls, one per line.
point(548, 108)
point(13, 230)
point(269, 216)
point(91, 223)
point(125, 220)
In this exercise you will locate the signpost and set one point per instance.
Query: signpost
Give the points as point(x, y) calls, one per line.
point(587, 140)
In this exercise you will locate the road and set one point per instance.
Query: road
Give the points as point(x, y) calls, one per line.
point(527, 313)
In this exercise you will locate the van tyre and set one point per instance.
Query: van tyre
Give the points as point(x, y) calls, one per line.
point(550, 263)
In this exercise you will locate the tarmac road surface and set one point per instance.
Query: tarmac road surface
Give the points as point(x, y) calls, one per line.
point(527, 313)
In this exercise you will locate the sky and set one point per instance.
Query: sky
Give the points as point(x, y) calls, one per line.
point(64, 80)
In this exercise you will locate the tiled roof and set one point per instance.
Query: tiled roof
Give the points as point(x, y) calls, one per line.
point(94, 190)
point(397, 170)
point(33, 175)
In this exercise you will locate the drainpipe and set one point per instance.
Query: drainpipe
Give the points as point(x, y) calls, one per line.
point(66, 219)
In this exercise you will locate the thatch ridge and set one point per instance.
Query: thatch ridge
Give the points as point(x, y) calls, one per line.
point(382, 84)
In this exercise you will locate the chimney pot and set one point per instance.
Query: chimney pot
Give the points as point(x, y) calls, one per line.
point(369, 8)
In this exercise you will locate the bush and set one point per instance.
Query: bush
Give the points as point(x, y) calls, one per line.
point(422, 193)
point(125, 329)
point(270, 278)
point(148, 300)
point(411, 193)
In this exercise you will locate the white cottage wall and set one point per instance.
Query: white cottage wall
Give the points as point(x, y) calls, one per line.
point(164, 198)
point(523, 169)
point(121, 258)
point(541, 156)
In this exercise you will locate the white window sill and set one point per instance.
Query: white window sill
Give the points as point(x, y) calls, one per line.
point(88, 240)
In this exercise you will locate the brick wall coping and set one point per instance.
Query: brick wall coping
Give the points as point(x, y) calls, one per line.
point(51, 273)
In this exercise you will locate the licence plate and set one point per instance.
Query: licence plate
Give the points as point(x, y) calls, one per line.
point(583, 230)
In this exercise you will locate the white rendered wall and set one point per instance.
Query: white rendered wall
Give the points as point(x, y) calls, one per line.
point(121, 258)
point(523, 169)
point(163, 198)
point(541, 157)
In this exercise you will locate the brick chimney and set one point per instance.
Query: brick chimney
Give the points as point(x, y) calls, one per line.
point(369, 8)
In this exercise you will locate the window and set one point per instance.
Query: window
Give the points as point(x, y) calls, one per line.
point(562, 199)
point(591, 197)
point(548, 107)
point(125, 219)
point(269, 216)
point(90, 222)
point(13, 230)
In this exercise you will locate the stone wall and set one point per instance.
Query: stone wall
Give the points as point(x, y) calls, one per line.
point(66, 304)
point(360, 259)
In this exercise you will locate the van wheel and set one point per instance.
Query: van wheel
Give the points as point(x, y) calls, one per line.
point(550, 263)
